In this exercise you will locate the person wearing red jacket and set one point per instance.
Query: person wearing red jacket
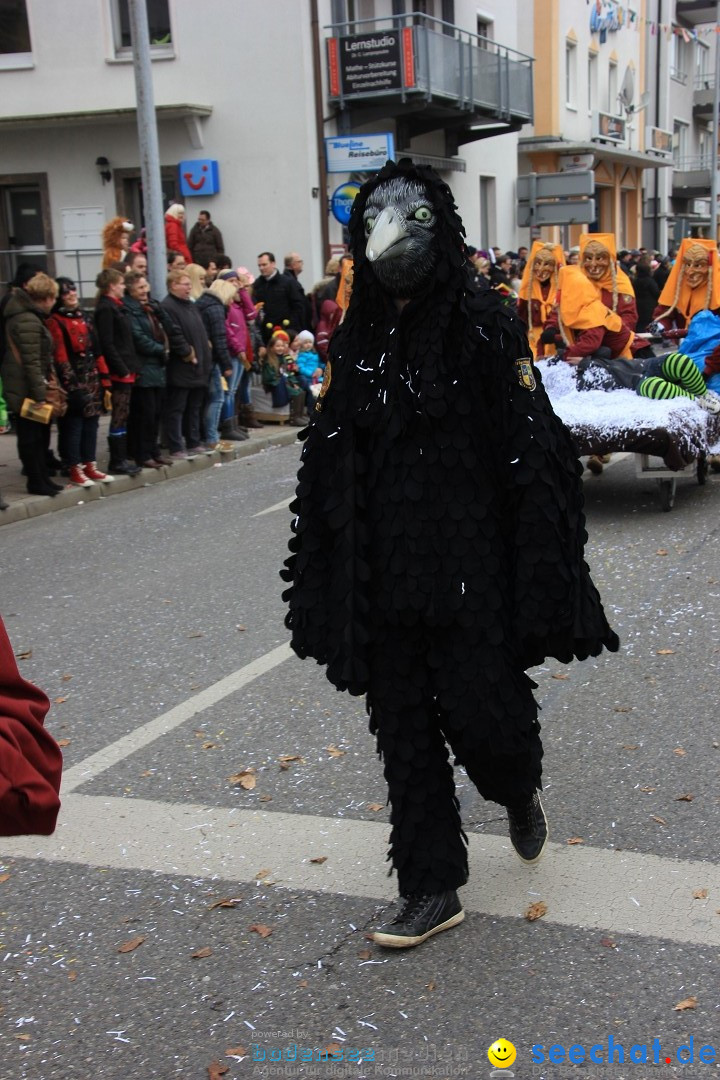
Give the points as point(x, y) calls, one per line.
point(78, 374)
point(30, 759)
point(174, 232)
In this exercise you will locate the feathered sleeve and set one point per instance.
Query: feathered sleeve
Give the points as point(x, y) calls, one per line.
point(556, 608)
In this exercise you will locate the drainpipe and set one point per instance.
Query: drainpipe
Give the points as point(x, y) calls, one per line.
point(656, 200)
point(716, 118)
point(320, 131)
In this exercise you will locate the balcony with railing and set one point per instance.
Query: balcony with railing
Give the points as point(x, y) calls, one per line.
point(691, 177)
point(427, 75)
point(703, 95)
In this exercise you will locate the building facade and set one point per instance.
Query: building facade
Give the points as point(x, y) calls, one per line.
point(231, 89)
point(482, 89)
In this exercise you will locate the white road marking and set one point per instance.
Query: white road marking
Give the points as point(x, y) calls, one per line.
point(621, 892)
point(110, 755)
point(278, 506)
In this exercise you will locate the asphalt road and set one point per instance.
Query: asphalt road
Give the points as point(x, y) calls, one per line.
point(154, 620)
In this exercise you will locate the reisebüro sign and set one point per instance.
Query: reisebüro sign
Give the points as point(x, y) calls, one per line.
point(358, 153)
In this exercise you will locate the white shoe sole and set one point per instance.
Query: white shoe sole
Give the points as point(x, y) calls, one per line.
point(538, 857)
point(396, 941)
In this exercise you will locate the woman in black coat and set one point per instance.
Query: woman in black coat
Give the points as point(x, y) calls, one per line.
point(114, 332)
point(647, 291)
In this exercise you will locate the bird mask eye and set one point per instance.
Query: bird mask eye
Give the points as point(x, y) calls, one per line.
point(369, 222)
point(423, 214)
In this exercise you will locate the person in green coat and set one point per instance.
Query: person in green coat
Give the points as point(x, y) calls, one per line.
point(27, 372)
point(151, 343)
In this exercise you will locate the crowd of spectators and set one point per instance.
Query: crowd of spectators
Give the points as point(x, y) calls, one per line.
point(173, 373)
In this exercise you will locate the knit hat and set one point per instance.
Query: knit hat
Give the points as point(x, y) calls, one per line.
point(305, 335)
point(228, 275)
point(278, 332)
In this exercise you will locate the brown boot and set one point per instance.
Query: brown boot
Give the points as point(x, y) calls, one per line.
point(596, 461)
point(298, 416)
point(246, 417)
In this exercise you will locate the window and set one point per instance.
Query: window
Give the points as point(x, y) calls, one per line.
point(158, 25)
point(571, 74)
point(612, 98)
point(703, 79)
point(678, 58)
point(488, 218)
point(15, 46)
point(680, 143)
point(592, 74)
point(485, 32)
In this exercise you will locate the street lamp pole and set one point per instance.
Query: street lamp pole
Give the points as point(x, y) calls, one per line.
point(148, 146)
point(714, 137)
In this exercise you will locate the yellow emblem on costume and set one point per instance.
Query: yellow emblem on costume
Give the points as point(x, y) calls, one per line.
point(526, 375)
point(325, 386)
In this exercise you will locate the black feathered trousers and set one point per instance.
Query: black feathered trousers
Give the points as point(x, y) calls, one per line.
point(436, 692)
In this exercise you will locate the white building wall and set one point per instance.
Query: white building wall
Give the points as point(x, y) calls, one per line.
point(252, 63)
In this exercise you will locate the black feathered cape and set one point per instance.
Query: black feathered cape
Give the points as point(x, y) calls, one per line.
point(437, 490)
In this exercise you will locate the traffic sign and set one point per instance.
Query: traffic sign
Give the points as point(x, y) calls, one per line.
point(556, 185)
point(562, 212)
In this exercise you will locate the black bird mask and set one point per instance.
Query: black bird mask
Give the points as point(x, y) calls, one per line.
point(405, 230)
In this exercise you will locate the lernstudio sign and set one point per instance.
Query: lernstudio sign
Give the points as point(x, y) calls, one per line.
point(364, 64)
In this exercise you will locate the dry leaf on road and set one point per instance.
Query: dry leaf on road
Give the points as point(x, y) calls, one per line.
point(200, 953)
point(63, 742)
point(560, 675)
point(261, 929)
point(319, 859)
point(684, 798)
point(216, 1070)
point(132, 944)
point(364, 954)
point(679, 751)
point(59, 700)
point(374, 806)
point(4, 877)
point(333, 751)
point(664, 652)
point(536, 911)
point(262, 874)
point(608, 943)
point(686, 1003)
point(245, 778)
point(660, 820)
point(236, 1051)
point(226, 902)
point(700, 894)
point(575, 840)
point(24, 655)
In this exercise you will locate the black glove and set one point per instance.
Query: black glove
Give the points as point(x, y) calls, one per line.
point(655, 328)
point(548, 336)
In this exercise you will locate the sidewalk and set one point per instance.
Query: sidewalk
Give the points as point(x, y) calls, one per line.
point(22, 505)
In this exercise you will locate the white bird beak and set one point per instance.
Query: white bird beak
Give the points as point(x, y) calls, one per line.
point(387, 230)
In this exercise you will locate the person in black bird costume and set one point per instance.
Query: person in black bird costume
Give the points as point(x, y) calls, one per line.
point(438, 538)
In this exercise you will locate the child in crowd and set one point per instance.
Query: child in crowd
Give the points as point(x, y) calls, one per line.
point(310, 367)
point(280, 376)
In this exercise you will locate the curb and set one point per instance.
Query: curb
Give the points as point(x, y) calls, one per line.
point(31, 506)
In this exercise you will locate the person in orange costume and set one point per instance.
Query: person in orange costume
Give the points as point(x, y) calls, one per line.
point(538, 292)
point(596, 303)
point(693, 285)
point(596, 309)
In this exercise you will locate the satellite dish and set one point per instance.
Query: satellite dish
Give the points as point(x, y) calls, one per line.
point(627, 90)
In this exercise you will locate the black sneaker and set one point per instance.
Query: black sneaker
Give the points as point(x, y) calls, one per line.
point(528, 829)
point(421, 917)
